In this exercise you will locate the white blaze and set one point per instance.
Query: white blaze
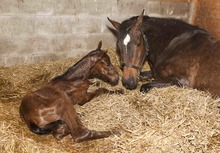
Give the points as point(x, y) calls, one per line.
point(127, 40)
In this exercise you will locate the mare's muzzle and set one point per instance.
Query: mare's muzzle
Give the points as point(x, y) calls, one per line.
point(130, 83)
point(130, 77)
point(131, 71)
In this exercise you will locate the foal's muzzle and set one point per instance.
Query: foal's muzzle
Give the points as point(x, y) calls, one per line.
point(114, 81)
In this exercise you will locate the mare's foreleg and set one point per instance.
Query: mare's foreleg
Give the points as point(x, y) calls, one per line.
point(159, 84)
point(146, 75)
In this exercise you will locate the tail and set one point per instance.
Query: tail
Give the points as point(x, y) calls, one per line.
point(48, 128)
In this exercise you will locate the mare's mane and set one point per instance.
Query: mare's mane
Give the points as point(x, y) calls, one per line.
point(158, 21)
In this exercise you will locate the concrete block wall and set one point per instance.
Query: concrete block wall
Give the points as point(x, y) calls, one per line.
point(32, 31)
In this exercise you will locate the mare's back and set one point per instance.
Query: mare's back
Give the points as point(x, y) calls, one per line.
point(197, 54)
point(161, 32)
point(209, 71)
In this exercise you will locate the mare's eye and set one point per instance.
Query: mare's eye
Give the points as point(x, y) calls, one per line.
point(139, 43)
point(119, 47)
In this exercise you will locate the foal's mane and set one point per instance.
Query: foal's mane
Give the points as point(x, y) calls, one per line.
point(73, 68)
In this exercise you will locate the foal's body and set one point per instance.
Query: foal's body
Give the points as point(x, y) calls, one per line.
point(178, 53)
point(51, 108)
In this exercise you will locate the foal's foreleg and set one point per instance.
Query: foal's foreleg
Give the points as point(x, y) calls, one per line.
point(90, 95)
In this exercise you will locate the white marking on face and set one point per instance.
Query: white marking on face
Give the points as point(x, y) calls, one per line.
point(127, 40)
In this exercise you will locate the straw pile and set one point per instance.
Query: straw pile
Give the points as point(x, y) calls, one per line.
point(164, 120)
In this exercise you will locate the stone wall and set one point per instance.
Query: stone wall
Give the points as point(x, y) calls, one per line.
point(35, 30)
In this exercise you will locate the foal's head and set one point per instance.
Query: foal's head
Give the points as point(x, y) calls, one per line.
point(103, 68)
point(133, 48)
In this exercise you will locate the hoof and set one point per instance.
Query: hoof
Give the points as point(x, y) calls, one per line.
point(145, 88)
point(119, 91)
point(117, 133)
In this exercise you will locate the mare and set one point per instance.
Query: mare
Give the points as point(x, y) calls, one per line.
point(178, 53)
point(50, 109)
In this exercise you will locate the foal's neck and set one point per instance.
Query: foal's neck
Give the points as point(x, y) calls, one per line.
point(80, 70)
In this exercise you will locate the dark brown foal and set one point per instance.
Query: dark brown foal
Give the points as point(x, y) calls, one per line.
point(50, 109)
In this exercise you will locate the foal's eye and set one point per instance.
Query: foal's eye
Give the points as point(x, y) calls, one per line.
point(106, 64)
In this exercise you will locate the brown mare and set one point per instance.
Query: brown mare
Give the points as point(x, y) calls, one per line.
point(50, 109)
point(178, 53)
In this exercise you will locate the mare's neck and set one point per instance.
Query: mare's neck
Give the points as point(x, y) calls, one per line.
point(161, 31)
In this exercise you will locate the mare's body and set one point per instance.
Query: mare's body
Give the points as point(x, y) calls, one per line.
point(178, 53)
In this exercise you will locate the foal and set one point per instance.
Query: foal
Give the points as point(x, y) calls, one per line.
point(50, 109)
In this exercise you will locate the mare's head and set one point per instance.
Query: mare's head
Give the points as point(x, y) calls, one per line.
point(103, 68)
point(133, 48)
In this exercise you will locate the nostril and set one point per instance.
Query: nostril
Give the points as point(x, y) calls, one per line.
point(130, 83)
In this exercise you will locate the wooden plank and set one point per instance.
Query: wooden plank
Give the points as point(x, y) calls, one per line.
point(213, 25)
point(208, 3)
point(211, 12)
point(215, 34)
point(176, 0)
point(207, 15)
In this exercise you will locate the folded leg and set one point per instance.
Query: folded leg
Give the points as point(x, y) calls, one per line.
point(159, 84)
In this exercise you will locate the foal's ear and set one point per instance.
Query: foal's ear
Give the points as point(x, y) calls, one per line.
point(99, 46)
point(114, 23)
point(103, 54)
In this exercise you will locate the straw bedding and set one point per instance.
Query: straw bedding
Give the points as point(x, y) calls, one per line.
point(169, 119)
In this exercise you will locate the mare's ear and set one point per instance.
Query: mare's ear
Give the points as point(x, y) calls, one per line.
point(113, 31)
point(99, 46)
point(139, 20)
point(114, 23)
